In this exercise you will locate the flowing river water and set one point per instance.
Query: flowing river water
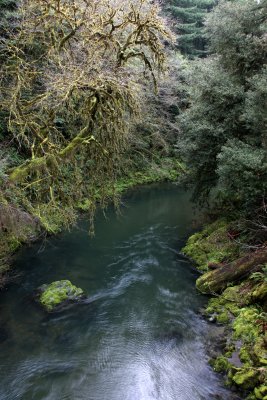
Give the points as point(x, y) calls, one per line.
point(140, 335)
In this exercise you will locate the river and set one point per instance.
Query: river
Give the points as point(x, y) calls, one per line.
point(139, 337)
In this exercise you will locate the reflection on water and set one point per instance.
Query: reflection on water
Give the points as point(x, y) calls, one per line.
point(138, 337)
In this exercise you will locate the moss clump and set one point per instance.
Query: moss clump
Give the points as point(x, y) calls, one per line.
point(227, 305)
point(260, 349)
point(260, 292)
point(240, 307)
point(245, 356)
point(211, 246)
point(246, 325)
point(246, 378)
point(223, 317)
point(53, 219)
point(221, 364)
point(58, 292)
point(246, 334)
point(261, 392)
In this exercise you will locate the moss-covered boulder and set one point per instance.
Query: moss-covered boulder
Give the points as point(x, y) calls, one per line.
point(224, 307)
point(261, 392)
point(212, 246)
point(246, 342)
point(220, 364)
point(57, 293)
point(246, 378)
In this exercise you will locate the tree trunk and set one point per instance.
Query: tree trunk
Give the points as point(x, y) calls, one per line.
point(217, 280)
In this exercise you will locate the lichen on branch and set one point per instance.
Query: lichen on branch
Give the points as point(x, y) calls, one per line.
point(71, 87)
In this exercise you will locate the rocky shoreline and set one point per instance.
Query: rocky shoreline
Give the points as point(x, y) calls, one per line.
point(239, 304)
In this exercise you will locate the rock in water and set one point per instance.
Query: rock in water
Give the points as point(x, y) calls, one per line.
point(57, 293)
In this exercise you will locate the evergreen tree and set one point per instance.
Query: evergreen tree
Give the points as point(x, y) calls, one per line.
point(189, 16)
point(224, 132)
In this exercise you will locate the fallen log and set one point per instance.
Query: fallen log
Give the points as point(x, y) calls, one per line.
point(217, 280)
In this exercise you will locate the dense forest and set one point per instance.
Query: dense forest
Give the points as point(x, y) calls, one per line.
point(98, 96)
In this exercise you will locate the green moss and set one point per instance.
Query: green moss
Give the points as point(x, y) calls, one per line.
point(223, 317)
point(246, 378)
point(260, 349)
point(245, 356)
point(53, 219)
point(246, 325)
point(245, 337)
point(260, 292)
point(58, 292)
point(11, 240)
point(211, 246)
point(221, 364)
point(260, 392)
point(239, 307)
point(227, 305)
point(13, 243)
point(168, 170)
point(251, 396)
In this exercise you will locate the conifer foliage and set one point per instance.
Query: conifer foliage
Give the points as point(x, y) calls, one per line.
point(188, 16)
point(224, 131)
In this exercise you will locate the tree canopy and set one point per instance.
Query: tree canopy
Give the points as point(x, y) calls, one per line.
point(70, 87)
point(188, 17)
point(224, 136)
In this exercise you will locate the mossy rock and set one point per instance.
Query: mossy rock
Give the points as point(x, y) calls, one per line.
point(260, 349)
point(246, 325)
point(57, 293)
point(260, 292)
point(260, 392)
point(223, 317)
point(245, 356)
point(246, 378)
point(226, 306)
point(221, 364)
point(246, 329)
point(211, 246)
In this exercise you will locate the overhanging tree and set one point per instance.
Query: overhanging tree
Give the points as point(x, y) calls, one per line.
point(70, 87)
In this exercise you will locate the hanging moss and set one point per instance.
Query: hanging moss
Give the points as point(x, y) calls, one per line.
point(168, 170)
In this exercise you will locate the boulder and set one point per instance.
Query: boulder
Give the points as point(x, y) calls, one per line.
point(57, 293)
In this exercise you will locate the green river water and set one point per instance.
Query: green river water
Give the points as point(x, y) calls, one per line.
point(139, 336)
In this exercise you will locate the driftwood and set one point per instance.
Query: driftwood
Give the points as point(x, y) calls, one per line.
point(217, 280)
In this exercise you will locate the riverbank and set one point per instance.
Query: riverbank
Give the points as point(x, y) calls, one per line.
point(238, 304)
point(20, 226)
point(139, 335)
point(236, 277)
